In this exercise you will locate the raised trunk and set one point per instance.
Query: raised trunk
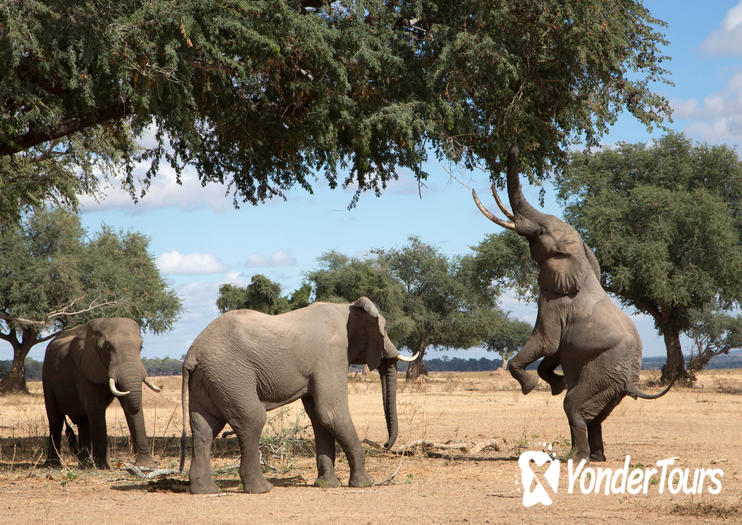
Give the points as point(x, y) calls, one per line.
point(675, 364)
point(416, 368)
point(521, 208)
point(388, 374)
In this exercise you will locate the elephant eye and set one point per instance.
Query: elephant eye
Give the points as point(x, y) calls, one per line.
point(540, 231)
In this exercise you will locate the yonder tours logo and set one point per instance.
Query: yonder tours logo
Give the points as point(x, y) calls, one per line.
point(540, 478)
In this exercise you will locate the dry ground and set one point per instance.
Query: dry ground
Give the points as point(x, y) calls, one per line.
point(702, 428)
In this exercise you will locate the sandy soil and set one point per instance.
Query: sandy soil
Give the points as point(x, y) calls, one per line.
point(701, 428)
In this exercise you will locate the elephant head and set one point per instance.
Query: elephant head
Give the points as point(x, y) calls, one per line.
point(566, 263)
point(368, 343)
point(110, 354)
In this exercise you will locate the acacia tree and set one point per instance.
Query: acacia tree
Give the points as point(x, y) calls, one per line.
point(264, 94)
point(713, 333)
point(52, 278)
point(262, 295)
point(423, 294)
point(665, 221)
point(507, 339)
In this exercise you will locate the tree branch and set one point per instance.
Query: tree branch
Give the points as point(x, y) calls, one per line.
point(62, 312)
point(67, 127)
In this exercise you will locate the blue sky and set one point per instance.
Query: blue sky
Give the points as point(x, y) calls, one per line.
point(200, 241)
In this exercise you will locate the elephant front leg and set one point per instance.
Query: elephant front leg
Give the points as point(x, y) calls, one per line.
point(99, 440)
point(544, 342)
point(337, 420)
point(546, 372)
point(325, 445)
point(139, 440)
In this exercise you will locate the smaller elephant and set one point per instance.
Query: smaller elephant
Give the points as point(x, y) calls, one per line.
point(83, 369)
point(245, 363)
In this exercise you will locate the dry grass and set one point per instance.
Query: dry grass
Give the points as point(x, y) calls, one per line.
point(700, 426)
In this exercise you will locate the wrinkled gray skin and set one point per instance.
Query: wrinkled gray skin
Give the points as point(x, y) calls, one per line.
point(246, 363)
point(577, 326)
point(78, 365)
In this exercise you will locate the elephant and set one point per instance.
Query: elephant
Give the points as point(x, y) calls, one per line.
point(245, 363)
point(84, 369)
point(577, 325)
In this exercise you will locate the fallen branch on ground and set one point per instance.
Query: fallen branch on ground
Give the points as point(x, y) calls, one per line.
point(149, 473)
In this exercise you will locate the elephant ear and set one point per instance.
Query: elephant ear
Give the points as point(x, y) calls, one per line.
point(87, 353)
point(365, 325)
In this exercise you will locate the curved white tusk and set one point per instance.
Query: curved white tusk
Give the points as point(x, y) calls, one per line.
point(114, 391)
point(489, 215)
point(151, 385)
point(408, 359)
point(507, 212)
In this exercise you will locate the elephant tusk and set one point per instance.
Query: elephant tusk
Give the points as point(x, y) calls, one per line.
point(507, 212)
point(151, 385)
point(114, 391)
point(489, 215)
point(407, 359)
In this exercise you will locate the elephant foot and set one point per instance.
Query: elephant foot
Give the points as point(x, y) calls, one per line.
point(327, 482)
point(145, 460)
point(360, 480)
point(597, 456)
point(256, 486)
point(558, 384)
point(528, 383)
point(204, 487)
point(578, 455)
point(103, 465)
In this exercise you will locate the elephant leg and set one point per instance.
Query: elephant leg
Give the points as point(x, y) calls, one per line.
point(335, 416)
point(517, 368)
point(325, 445)
point(139, 439)
point(204, 427)
point(56, 422)
point(99, 439)
point(573, 401)
point(84, 442)
point(595, 440)
point(247, 419)
point(546, 372)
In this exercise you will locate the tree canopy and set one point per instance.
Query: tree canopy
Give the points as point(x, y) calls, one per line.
point(262, 295)
point(266, 94)
point(664, 219)
point(53, 277)
point(423, 294)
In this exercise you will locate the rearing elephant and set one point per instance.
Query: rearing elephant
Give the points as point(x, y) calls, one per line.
point(245, 363)
point(84, 368)
point(577, 326)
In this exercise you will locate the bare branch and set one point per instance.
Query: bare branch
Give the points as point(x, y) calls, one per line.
point(62, 312)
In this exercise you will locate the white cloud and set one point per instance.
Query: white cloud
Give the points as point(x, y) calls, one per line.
point(727, 38)
point(279, 258)
point(189, 264)
point(163, 192)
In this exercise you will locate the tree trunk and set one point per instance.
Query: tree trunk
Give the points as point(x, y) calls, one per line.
point(15, 381)
point(416, 368)
point(675, 364)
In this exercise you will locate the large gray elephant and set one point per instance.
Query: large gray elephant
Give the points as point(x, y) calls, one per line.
point(84, 368)
point(245, 363)
point(577, 326)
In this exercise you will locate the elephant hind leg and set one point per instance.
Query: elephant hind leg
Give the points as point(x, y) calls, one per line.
point(586, 409)
point(595, 431)
point(325, 445)
point(247, 418)
point(204, 427)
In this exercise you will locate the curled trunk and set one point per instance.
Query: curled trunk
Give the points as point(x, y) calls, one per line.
point(388, 375)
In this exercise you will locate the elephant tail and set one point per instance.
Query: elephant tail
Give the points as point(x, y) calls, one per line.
point(183, 435)
point(634, 391)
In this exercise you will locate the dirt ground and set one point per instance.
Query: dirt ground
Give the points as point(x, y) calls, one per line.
point(701, 428)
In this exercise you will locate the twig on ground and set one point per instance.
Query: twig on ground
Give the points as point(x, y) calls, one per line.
point(149, 473)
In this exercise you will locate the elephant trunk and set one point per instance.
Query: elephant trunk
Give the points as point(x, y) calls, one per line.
point(131, 382)
point(388, 375)
point(527, 217)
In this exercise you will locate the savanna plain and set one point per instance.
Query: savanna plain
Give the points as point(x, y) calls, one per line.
point(455, 460)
